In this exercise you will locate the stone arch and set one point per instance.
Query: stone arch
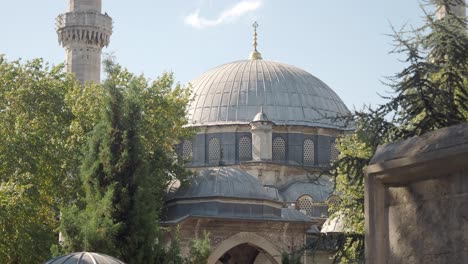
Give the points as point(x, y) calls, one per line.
point(246, 237)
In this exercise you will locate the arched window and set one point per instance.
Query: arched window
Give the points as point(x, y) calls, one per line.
point(245, 148)
point(333, 200)
point(279, 149)
point(308, 152)
point(334, 153)
point(187, 151)
point(305, 204)
point(214, 150)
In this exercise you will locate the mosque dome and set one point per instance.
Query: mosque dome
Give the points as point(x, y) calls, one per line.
point(84, 258)
point(233, 93)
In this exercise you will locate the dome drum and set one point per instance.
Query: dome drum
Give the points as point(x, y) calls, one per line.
point(298, 149)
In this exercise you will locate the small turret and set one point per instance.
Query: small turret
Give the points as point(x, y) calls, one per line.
point(262, 133)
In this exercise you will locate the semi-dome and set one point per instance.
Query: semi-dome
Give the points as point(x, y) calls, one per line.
point(227, 193)
point(222, 182)
point(84, 258)
point(233, 94)
point(319, 190)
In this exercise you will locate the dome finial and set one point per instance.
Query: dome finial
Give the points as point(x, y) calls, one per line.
point(255, 55)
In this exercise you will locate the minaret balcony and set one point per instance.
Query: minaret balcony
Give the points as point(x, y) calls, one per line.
point(90, 28)
point(85, 19)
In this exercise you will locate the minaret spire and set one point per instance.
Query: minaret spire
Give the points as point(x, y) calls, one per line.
point(83, 31)
point(255, 55)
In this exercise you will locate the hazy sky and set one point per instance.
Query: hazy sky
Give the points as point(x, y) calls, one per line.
point(342, 42)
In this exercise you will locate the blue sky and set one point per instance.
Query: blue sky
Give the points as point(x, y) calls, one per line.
point(342, 42)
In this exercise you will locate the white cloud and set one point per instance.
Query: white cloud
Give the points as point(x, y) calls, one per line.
point(230, 14)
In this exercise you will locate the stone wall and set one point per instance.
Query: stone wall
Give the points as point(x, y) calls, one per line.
point(417, 200)
point(272, 237)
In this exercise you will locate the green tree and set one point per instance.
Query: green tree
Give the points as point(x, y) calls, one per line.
point(35, 157)
point(200, 250)
point(431, 92)
point(172, 254)
point(292, 258)
point(127, 167)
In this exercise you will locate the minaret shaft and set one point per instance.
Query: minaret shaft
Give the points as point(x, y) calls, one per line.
point(456, 7)
point(85, 5)
point(83, 32)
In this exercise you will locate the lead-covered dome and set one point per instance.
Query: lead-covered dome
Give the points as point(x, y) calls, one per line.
point(228, 193)
point(233, 93)
point(84, 258)
point(222, 182)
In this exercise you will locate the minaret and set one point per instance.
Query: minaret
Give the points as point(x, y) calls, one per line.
point(456, 7)
point(83, 31)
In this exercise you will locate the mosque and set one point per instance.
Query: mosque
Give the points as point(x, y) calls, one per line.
point(265, 132)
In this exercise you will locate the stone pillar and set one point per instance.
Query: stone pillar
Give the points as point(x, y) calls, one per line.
point(83, 31)
point(262, 133)
point(457, 7)
point(416, 200)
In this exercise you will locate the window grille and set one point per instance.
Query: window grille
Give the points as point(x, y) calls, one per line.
point(214, 150)
point(334, 153)
point(309, 157)
point(245, 148)
point(187, 150)
point(279, 149)
point(333, 200)
point(305, 204)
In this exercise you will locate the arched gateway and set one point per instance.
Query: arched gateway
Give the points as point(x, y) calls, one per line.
point(245, 247)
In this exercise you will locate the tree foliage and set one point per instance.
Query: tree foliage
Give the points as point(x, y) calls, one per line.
point(200, 250)
point(291, 258)
point(431, 92)
point(48, 120)
point(35, 156)
point(127, 167)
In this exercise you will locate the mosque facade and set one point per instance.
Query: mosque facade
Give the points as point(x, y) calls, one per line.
point(265, 132)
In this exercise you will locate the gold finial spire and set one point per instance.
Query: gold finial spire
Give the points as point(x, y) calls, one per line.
point(255, 26)
point(255, 55)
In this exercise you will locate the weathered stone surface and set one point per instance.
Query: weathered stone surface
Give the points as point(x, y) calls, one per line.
point(272, 238)
point(416, 200)
point(444, 138)
point(428, 221)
